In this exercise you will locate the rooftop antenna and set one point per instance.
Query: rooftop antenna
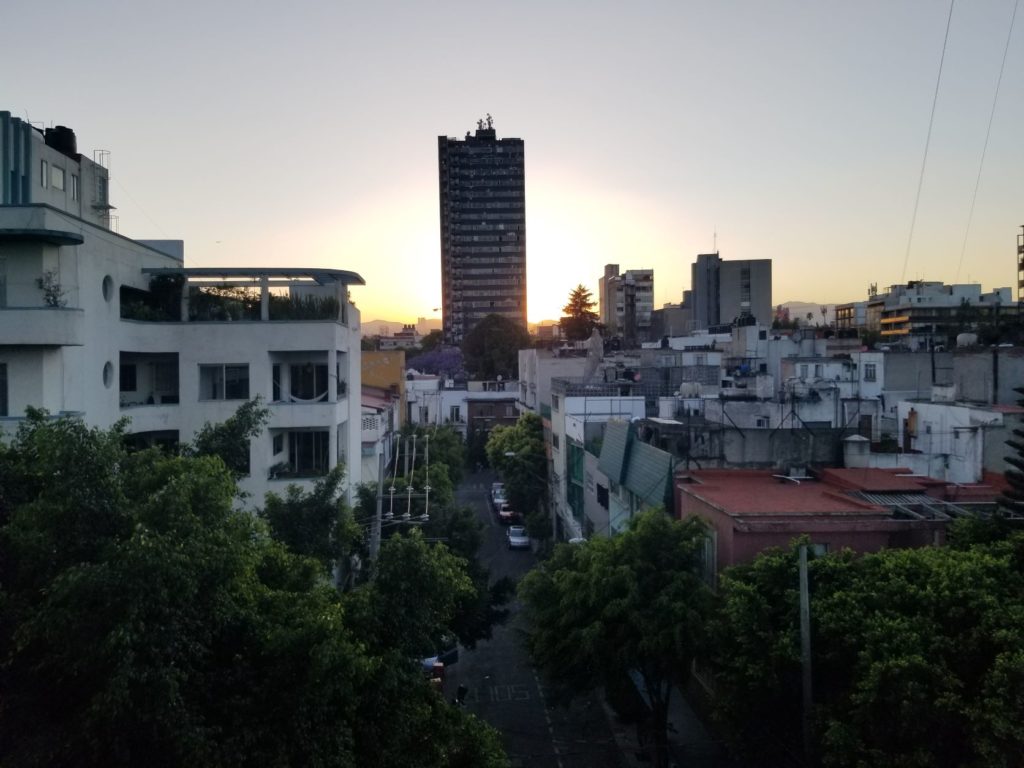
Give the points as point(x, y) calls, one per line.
point(714, 241)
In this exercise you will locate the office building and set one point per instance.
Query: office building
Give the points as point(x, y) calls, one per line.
point(724, 291)
point(483, 230)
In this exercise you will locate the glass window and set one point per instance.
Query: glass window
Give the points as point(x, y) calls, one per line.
point(57, 177)
point(869, 372)
point(455, 414)
point(223, 382)
point(309, 382)
point(75, 187)
point(44, 174)
point(424, 414)
point(278, 443)
point(275, 383)
point(308, 452)
point(129, 380)
point(3, 389)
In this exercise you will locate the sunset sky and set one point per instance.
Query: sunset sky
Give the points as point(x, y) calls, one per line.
point(305, 133)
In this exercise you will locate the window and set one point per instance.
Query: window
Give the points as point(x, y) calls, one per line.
point(75, 187)
point(129, 378)
point(101, 190)
point(602, 496)
point(762, 422)
point(454, 414)
point(869, 372)
point(57, 177)
point(554, 402)
point(554, 441)
point(275, 383)
point(309, 382)
point(424, 414)
point(817, 370)
point(803, 371)
point(223, 382)
point(44, 174)
point(308, 452)
point(3, 389)
point(277, 443)
point(510, 411)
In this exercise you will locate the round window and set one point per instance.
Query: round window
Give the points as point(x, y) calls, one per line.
point(108, 374)
point(108, 288)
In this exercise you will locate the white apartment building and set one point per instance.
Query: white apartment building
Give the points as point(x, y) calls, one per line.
point(101, 326)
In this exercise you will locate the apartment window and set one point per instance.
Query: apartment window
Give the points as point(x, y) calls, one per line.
point(554, 402)
point(870, 372)
point(101, 190)
point(129, 378)
point(308, 452)
point(275, 383)
point(3, 389)
point(803, 371)
point(44, 174)
point(277, 443)
point(424, 414)
point(817, 370)
point(554, 441)
point(510, 411)
point(75, 187)
point(57, 177)
point(762, 422)
point(223, 382)
point(455, 414)
point(309, 382)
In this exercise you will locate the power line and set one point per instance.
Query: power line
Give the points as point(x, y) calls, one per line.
point(927, 143)
point(984, 149)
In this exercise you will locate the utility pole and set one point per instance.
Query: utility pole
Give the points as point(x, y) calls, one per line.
point(375, 528)
point(805, 655)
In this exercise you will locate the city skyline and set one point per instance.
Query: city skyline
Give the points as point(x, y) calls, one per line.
point(307, 137)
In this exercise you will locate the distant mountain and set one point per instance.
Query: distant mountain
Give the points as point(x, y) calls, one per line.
point(381, 327)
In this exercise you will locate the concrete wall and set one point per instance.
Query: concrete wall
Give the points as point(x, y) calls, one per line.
point(989, 375)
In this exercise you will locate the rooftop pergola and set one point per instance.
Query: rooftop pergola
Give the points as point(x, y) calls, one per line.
point(263, 278)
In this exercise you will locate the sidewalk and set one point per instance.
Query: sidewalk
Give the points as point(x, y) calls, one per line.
point(690, 744)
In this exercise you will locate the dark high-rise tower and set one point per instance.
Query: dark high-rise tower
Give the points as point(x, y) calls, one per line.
point(483, 230)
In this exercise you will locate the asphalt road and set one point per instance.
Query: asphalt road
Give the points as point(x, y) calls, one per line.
point(503, 688)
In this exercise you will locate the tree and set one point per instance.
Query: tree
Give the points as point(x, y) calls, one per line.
point(230, 439)
point(491, 348)
point(916, 655)
point(313, 523)
point(633, 603)
point(432, 341)
point(580, 318)
point(518, 453)
point(1013, 498)
point(146, 621)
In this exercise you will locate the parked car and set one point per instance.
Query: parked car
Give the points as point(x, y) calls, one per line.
point(506, 514)
point(517, 538)
point(498, 495)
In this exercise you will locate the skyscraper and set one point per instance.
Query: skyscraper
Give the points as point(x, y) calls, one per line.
point(483, 229)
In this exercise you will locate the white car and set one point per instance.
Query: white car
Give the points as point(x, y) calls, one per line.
point(517, 538)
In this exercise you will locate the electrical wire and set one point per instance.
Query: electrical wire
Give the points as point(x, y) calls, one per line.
point(984, 149)
point(927, 143)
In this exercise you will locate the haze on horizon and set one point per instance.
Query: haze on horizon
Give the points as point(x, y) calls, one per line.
point(306, 134)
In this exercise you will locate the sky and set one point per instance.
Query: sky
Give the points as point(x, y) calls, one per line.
point(305, 134)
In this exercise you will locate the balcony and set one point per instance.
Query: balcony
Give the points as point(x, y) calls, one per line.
point(42, 326)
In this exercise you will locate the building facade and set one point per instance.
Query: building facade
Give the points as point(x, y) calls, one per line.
point(723, 291)
point(483, 230)
point(627, 302)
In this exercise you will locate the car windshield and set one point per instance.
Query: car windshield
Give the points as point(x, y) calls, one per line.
point(517, 530)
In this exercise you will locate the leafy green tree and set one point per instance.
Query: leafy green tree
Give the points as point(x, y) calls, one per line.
point(146, 621)
point(491, 348)
point(633, 603)
point(580, 318)
point(313, 523)
point(518, 453)
point(432, 341)
point(916, 655)
point(230, 439)
point(1013, 499)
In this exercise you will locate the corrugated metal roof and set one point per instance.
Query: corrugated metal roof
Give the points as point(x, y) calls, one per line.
point(649, 474)
point(614, 450)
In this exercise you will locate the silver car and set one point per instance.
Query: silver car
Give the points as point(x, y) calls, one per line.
point(517, 538)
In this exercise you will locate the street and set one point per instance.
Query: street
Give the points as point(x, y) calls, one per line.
point(503, 688)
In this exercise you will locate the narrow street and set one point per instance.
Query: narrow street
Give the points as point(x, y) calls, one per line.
point(503, 688)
